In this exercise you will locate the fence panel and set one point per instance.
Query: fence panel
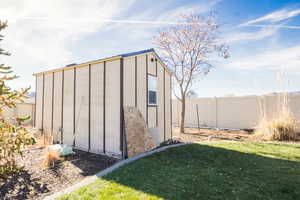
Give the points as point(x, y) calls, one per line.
point(232, 112)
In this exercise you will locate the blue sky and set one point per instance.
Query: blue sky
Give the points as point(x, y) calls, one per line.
point(263, 36)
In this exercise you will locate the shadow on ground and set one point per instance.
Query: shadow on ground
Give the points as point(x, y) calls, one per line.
point(216, 172)
point(21, 186)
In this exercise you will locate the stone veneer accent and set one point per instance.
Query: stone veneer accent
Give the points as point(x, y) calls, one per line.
point(136, 131)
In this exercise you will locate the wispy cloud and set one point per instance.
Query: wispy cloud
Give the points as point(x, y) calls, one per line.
point(88, 20)
point(288, 58)
point(268, 28)
point(38, 45)
point(273, 17)
point(46, 34)
point(255, 35)
point(46, 42)
point(273, 26)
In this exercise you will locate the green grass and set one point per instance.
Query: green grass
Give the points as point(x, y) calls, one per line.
point(227, 170)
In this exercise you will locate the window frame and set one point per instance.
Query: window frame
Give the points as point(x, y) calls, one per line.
point(149, 76)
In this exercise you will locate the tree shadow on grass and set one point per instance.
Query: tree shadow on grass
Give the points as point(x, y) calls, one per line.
point(206, 172)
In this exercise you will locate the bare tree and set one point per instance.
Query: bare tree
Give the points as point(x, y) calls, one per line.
point(188, 49)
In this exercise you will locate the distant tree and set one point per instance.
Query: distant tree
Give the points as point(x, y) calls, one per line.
point(188, 48)
point(191, 94)
point(13, 137)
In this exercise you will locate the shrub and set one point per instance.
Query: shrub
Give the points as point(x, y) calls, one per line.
point(280, 128)
point(50, 157)
point(13, 139)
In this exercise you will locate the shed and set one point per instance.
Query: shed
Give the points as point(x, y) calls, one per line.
point(82, 104)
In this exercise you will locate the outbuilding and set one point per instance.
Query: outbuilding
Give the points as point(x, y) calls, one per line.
point(83, 104)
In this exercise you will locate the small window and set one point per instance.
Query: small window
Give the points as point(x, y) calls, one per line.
point(152, 90)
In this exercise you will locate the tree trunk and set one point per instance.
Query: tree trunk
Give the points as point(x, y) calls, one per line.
point(182, 115)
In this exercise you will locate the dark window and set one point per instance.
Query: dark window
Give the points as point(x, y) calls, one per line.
point(152, 90)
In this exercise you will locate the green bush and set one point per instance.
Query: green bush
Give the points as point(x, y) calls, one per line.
point(12, 141)
point(13, 138)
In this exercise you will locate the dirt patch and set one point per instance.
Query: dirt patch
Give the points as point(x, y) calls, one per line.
point(207, 134)
point(35, 182)
point(203, 134)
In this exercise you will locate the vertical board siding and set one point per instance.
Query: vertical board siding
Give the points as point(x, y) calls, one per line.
point(97, 108)
point(39, 102)
point(135, 81)
point(82, 108)
point(112, 107)
point(34, 116)
point(141, 85)
point(122, 107)
point(104, 107)
point(87, 102)
point(129, 80)
point(57, 106)
point(152, 116)
point(151, 64)
point(68, 105)
point(167, 107)
point(171, 120)
point(147, 87)
point(47, 118)
point(160, 101)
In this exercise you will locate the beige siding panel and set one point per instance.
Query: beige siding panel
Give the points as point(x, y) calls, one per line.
point(167, 106)
point(48, 104)
point(152, 117)
point(112, 99)
point(39, 102)
point(57, 105)
point(141, 85)
point(129, 81)
point(82, 109)
point(151, 64)
point(97, 108)
point(160, 100)
point(68, 105)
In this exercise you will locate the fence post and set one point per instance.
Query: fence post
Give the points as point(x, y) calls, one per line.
point(216, 106)
point(198, 117)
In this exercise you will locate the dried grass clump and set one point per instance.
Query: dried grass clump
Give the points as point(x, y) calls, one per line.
point(50, 158)
point(281, 128)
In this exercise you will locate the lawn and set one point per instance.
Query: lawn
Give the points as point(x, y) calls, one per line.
point(223, 170)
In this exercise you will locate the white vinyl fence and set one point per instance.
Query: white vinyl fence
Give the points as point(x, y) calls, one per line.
point(230, 112)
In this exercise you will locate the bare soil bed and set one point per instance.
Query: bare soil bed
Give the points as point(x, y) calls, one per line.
point(36, 182)
point(205, 134)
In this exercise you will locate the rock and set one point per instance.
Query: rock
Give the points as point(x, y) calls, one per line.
point(136, 131)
